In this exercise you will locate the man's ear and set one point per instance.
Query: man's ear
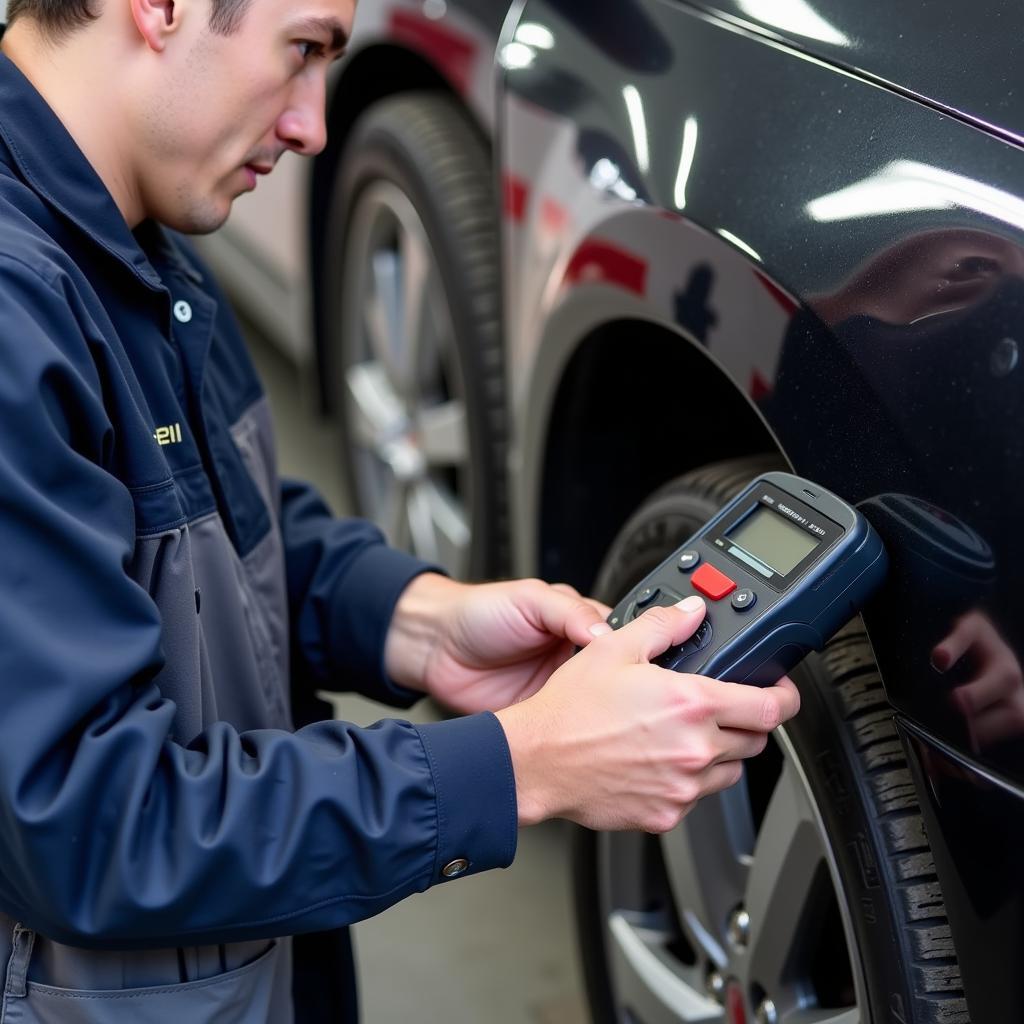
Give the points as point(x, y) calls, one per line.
point(156, 20)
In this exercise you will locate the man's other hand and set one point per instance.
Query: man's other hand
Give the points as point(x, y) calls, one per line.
point(483, 647)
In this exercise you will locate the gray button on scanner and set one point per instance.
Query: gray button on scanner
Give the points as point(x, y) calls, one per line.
point(687, 560)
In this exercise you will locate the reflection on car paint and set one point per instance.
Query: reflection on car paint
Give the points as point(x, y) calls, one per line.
point(448, 49)
point(600, 261)
point(906, 185)
point(516, 191)
point(795, 16)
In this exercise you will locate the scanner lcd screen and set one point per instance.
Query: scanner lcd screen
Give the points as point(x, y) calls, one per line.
point(773, 540)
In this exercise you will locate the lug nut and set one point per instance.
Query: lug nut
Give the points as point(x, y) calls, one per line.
point(739, 928)
point(715, 984)
point(766, 1013)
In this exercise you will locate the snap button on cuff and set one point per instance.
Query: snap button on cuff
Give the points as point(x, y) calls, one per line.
point(182, 311)
point(454, 868)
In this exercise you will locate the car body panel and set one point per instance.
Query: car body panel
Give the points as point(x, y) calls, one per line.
point(861, 242)
point(908, 46)
point(864, 279)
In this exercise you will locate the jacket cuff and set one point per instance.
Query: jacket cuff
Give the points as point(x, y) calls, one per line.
point(362, 620)
point(475, 795)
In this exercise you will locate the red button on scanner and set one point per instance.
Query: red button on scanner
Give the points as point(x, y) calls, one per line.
point(714, 584)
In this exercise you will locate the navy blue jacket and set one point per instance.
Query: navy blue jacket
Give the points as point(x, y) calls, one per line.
point(160, 592)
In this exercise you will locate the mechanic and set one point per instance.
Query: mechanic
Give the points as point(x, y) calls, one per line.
point(168, 607)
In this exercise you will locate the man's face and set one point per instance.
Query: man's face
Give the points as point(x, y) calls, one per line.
point(223, 108)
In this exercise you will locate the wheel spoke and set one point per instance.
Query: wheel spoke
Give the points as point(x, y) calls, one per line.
point(644, 980)
point(444, 434)
point(440, 532)
point(421, 528)
point(392, 515)
point(418, 271)
point(706, 860)
point(377, 412)
point(382, 313)
point(787, 858)
point(453, 533)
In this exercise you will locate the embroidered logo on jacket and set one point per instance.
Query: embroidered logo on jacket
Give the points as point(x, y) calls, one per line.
point(168, 435)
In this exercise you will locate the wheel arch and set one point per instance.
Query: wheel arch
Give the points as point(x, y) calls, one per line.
point(374, 73)
point(606, 443)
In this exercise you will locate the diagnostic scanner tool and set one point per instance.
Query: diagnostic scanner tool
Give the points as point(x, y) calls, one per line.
point(781, 568)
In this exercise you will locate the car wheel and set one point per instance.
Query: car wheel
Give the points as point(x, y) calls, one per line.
point(411, 313)
point(805, 894)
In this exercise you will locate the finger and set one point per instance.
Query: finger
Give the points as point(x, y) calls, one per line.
point(968, 630)
point(987, 689)
point(789, 697)
point(563, 613)
point(989, 646)
point(656, 630)
point(739, 706)
point(740, 744)
point(712, 780)
point(720, 776)
point(604, 610)
point(995, 725)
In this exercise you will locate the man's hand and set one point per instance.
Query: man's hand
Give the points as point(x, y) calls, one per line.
point(613, 742)
point(484, 647)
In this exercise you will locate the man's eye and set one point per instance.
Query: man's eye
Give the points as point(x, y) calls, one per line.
point(309, 49)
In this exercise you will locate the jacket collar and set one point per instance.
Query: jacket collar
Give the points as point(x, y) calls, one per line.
point(51, 163)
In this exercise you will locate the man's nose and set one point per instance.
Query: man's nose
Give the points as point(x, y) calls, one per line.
point(303, 126)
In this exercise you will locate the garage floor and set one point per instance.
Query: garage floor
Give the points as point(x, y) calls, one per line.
point(497, 947)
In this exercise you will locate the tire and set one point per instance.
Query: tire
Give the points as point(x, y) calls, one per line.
point(421, 409)
point(844, 912)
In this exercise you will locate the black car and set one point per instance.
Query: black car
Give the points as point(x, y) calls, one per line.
point(579, 272)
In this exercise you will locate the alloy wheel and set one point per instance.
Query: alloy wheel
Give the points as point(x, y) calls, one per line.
point(403, 391)
point(736, 916)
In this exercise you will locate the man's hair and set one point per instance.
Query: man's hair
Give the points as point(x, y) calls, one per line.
point(57, 18)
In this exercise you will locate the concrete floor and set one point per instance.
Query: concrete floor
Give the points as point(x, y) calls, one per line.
point(497, 947)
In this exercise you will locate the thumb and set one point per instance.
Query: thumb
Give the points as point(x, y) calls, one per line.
point(655, 631)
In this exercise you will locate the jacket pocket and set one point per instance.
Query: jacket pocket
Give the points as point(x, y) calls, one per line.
point(253, 994)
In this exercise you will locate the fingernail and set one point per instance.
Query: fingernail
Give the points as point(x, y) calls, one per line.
point(600, 628)
point(691, 604)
